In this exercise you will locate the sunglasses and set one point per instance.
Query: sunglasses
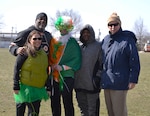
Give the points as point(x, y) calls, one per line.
point(37, 38)
point(115, 24)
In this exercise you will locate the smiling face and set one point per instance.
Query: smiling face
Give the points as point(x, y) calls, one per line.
point(36, 40)
point(86, 35)
point(41, 23)
point(113, 27)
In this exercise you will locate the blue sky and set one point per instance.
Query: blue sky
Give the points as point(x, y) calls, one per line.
point(20, 14)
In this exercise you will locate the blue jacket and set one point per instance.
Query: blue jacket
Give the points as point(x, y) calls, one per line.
point(121, 63)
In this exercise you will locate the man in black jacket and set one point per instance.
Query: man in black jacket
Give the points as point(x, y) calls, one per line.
point(16, 47)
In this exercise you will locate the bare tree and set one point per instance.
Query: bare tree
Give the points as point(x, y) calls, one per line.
point(140, 31)
point(77, 20)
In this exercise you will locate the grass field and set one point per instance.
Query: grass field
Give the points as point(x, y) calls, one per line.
point(138, 99)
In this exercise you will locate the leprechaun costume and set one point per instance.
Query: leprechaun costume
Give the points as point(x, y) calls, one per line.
point(64, 53)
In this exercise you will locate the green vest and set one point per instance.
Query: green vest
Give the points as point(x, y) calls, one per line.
point(34, 70)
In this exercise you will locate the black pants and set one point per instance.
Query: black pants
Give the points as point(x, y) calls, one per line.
point(66, 94)
point(89, 103)
point(97, 107)
point(33, 108)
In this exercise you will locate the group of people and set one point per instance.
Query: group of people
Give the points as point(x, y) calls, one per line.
point(48, 67)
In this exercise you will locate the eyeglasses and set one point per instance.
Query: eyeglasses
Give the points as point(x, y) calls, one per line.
point(37, 38)
point(115, 24)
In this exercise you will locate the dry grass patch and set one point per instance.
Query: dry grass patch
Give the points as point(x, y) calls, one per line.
point(138, 99)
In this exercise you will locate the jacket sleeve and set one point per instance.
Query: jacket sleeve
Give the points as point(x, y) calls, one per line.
point(98, 66)
point(100, 59)
point(18, 42)
point(13, 49)
point(134, 62)
point(18, 64)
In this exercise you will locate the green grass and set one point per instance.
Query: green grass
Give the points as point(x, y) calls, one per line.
point(138, 99)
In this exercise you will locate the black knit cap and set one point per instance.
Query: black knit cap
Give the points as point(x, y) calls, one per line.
point(40, 15)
